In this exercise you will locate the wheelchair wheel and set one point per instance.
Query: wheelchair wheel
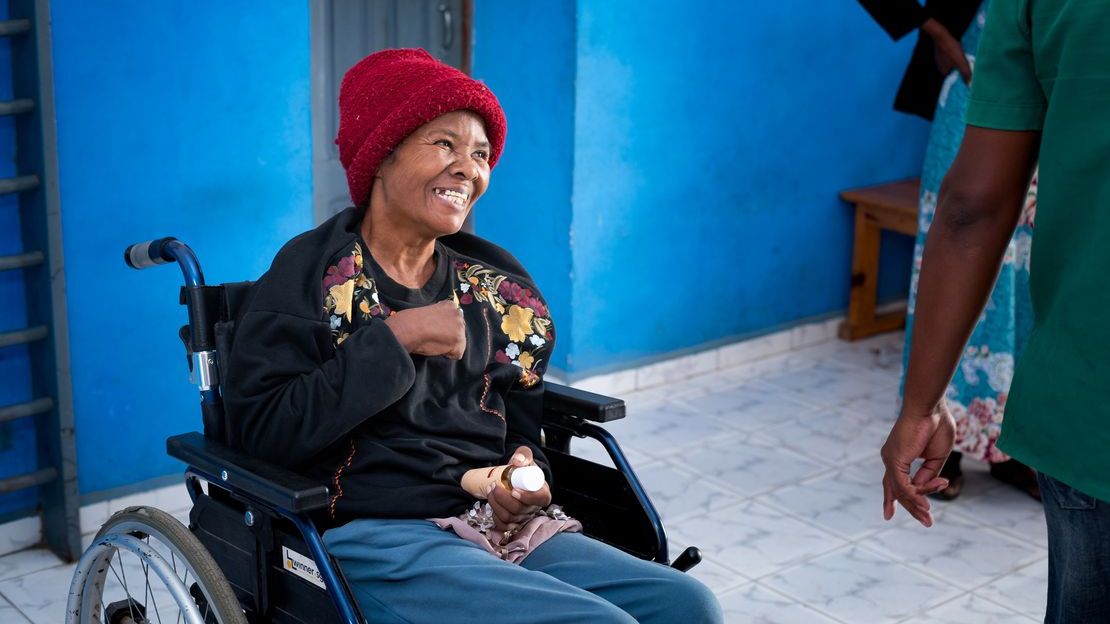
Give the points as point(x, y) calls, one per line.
point(143, 567)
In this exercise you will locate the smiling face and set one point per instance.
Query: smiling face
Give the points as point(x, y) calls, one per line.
point(427, 187)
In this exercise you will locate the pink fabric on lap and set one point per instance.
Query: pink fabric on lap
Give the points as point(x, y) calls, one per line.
point(518, 544)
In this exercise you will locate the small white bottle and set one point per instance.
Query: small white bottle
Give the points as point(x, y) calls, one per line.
point(527, 478)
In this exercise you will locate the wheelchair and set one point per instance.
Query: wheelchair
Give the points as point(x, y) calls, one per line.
point(251, 551)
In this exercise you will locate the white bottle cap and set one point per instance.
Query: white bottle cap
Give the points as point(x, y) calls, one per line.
point(528, 478)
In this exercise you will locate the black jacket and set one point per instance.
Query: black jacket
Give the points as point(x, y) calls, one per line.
point(324, 387)
point(922, 81)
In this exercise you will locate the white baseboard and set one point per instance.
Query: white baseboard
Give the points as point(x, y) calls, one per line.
point(720, 358)
point(20, 534)
point(27, 532)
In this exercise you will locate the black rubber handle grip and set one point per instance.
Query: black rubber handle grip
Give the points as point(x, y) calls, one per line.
point(688, 559)
point(148, 254)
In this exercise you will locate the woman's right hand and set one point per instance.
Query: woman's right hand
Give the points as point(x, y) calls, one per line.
point(949, 54)
point(437, 329)
point(512, 508)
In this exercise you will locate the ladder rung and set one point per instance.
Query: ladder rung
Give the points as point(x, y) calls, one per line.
point(16, 107)
point(19, 261)
point(30, 479)
point(30, 408)
point(19, 184)
point(14, 27)
point(22, 336)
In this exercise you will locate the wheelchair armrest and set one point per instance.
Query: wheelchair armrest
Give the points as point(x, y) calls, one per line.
point(260, 479)
point(560, 402)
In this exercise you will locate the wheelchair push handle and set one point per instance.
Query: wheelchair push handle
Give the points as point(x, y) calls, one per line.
point(163, 251)
point(148, 254)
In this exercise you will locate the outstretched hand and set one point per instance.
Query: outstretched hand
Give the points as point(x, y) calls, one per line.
point(928, 436)
point(511, 508)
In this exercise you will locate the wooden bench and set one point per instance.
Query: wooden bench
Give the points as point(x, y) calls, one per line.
point(884, 207)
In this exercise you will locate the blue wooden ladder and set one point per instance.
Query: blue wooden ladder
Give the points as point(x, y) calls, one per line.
point(46, 335)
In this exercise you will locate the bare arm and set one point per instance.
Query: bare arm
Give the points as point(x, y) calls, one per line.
point(980, 202)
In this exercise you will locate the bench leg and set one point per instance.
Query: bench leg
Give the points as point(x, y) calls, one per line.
point(862, 321)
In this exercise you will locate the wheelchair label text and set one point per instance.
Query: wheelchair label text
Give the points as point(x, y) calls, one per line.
point(302, 566)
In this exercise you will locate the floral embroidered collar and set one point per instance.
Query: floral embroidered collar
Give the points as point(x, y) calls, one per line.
point(351, 297)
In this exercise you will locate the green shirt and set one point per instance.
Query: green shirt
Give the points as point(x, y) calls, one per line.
point(1045, 65)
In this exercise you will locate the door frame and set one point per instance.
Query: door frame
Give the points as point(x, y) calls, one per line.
point(319, 28)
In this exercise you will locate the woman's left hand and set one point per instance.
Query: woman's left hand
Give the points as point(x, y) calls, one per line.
point(947, 49)
point(511, 508)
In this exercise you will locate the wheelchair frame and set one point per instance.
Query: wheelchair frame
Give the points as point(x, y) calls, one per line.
point(269, 499)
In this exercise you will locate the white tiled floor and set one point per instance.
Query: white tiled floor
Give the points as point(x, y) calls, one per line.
point(771, 469)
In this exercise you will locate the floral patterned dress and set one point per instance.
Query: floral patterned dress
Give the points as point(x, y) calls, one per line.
point(977, 393)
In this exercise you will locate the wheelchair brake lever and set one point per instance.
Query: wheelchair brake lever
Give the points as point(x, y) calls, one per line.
point(688, 559)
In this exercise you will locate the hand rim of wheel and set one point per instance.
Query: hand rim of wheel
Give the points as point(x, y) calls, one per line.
point(99, 553)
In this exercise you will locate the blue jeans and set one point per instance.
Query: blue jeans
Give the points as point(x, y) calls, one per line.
point(1078, 554)
point(411, 571)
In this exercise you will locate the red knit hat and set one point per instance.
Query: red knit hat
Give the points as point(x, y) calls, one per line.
point(388, 95)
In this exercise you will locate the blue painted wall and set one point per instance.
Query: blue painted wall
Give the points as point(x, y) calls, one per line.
point(527, 206)
point(670, 178)
point(709, 142)
point(182, 119)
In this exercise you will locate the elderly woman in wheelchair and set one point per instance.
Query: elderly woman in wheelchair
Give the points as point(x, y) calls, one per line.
point(400, 364)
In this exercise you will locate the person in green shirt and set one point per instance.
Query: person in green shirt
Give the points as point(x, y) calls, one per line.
point(1041, 88)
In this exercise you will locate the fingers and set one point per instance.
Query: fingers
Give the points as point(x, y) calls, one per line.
point(888, 500)
point(944, 64)
point(437, 329)
point(506, 503)
point(957, 59)
point(898, 485)
point(927, 479)
point(458, 334)
point(507, 511)
point(964, 67)
point(440, 329)
point(928, 470)
point(501, 515)
point(535, 500)
point(928, 437)
point(933, 486)
point(522, 456)
point(912, 501)
point(457, 352)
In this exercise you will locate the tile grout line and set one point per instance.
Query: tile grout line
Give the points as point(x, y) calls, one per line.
point(860, 541)
point(1007, 607)
point(930, 573)
point(846, 547)
point(15, 606)
point(848, 543)
point(799, 602)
